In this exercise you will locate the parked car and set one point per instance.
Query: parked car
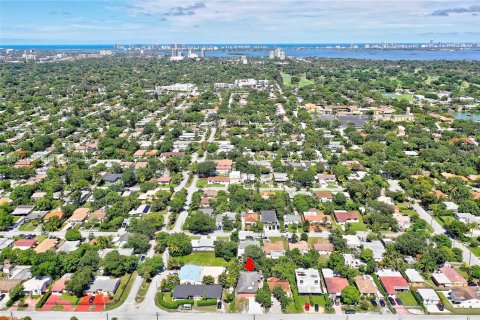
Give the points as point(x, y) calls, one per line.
point(219, 305)
point(2, 296)
point(382, 303)
point(307, 306)
point(90, 300)
point(316, 307)
point(440, 306)
point(399, 302)
point(249, 237)
point(349, 311)
point(337, 302)
point(392, 301)
point(374, 302)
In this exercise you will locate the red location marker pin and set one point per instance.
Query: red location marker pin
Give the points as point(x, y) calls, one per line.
point(249, 266)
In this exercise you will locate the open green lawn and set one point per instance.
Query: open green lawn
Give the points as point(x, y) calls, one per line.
point(67, 297)
point(475, 251)
point(41, 237)
point(405, 96)
point(203, 259)
point(407, 298)
point(287, 79)
point(27, 227)
point(358, 226)
point(201, 183)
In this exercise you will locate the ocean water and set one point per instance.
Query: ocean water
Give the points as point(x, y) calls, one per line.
point(294, 50)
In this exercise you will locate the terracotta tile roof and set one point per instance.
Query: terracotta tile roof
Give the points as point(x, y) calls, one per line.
point(268, 247)
point(344, 216)
point(274, 282)
point(335, 285)
point(323, 246)
point(453, 275)
point(251, 217)
point(55, 213)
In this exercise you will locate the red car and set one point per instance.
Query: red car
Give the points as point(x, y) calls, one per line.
point(307, 306)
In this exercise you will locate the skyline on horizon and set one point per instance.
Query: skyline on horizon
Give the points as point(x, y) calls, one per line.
point(39, 22)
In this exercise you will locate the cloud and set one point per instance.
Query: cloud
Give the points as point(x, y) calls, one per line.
point(447, 12)
point(186, 10)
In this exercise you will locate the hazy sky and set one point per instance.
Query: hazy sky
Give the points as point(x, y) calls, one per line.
point(236, 21)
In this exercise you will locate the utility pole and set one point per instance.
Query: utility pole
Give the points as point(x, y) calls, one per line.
point(156, 314)
point(11, 315)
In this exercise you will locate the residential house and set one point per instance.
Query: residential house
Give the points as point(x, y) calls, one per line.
point(250, 219)
point(291, 219)
point(352, 262)
point(24, 244)
point(79, 215)
point(274, 250)
point(392, 282)
point(324, 196)
point(248, 283)
point(245, 243)
point(22, 210)
point(344, 217)
point(366, 286)
point(353, 241)
point(428, 296)
point(377, 248)
point(455, 278)
point(308, 281)
point(46, 245)
point(54, 213)
point(465, 297)
point(403, 221)
point(269, 220)
point(204, 244)
point(36, 286)
point(104, 285)
point(326, 178)
point(302, 246)
point(60, 286)
point(323, 248)
point(197, 292)
point(334, 284)
point(224, 166)
point(276, 282)
point(414, 278)
point(280, 177)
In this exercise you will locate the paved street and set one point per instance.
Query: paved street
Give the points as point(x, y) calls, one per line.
point(468, 257)
point(145, 315)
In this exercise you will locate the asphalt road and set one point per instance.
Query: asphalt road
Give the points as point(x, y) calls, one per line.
point(140, 315)
point(467, 255)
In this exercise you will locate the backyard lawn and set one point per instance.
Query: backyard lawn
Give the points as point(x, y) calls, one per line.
point(407, 298)
point(203, 259)
point(27, 227)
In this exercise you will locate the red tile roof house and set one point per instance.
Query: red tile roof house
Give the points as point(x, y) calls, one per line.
point(335, 285)
point(284, 284)
point(24, 244)
point(324, 196)
point(224, 166)
point(394, 283)
point(455, 278)
point(343, 217)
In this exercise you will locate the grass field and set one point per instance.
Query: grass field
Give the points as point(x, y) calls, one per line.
point(407, 298)
point(405, 96)
point(27, 227)
point(475, 251)
point(287, 80)
point(203, 259)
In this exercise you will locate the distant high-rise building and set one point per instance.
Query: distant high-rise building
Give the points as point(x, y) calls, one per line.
point(431, 43)
point(203, 53)
point(271, 55)
point(243, 59)
point(106, 52)
point(277, 53)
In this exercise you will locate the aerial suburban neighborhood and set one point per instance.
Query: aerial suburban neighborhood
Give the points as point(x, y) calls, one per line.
point(255, 186)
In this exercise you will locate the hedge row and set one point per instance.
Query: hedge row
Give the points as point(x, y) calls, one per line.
point(204, 303)
point(173, 304)
point(42, 300)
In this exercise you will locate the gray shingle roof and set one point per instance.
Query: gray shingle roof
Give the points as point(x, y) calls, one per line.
point(185, 291)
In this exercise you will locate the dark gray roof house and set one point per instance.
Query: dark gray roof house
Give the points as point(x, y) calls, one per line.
point(268, 217)
point(114, 177)
point(189, 291)
point(249, 282)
